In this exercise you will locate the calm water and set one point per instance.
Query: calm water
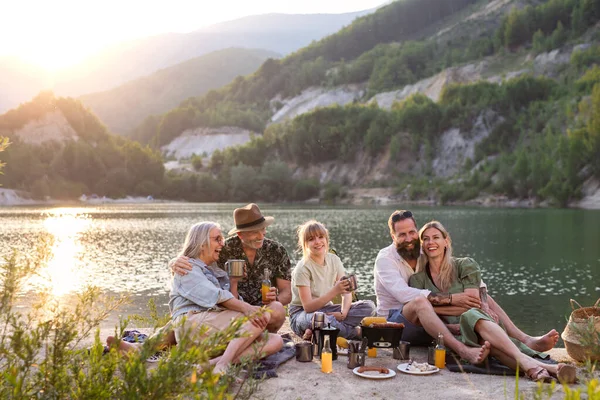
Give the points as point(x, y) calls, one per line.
point(533, 261)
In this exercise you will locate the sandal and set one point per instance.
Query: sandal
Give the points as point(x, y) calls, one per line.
point(566, 373)
point(539, 374)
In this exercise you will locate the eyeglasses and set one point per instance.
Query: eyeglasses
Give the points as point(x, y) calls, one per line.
point(401, 216)
point(219, 239)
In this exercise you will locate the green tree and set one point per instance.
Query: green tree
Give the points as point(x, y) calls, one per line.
point(197, 162)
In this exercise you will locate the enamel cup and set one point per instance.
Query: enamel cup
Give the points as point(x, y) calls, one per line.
point(235, 268)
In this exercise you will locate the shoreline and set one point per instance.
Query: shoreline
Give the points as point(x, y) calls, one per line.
point(358, 197)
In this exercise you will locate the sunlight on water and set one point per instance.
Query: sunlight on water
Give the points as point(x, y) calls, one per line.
point(63, 273)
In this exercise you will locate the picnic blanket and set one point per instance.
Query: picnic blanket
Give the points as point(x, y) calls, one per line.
point(491, 367)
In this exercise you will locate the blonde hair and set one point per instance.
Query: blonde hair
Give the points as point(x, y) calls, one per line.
point(447, 268)
point(308, 230)
point(197, 238)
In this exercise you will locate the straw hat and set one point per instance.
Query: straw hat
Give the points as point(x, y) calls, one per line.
point(249, 218)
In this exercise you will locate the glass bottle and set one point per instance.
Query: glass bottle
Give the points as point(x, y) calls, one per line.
point(372, 352)
point(326, 357)
point(440, 352)
point(266, 286)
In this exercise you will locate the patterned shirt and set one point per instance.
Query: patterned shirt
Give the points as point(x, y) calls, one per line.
point(271, 255)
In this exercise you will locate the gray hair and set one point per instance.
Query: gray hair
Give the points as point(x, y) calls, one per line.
point(197, 238)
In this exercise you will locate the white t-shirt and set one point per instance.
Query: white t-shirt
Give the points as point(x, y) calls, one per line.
point(320, 278)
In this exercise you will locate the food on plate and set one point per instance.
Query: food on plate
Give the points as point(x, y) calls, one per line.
point(381, 370)
point(420, 367)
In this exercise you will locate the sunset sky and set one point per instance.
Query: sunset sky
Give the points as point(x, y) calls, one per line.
point(58, 33)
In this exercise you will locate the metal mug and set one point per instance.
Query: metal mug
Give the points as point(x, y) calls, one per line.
point(235, 268)
point(304, 351)
point(402, 352)
point(356, 360)
point(353, 283)
point(318, 320)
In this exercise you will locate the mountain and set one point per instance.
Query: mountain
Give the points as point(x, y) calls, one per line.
point(125, 106)
point(123, 62)
point(59, 149)
point(436, 100)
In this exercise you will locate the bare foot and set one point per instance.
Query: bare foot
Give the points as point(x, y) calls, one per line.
point(476, 355)
point(124, 347)
point(307, 334)
point(543, 343)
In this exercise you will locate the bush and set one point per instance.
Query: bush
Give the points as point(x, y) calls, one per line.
point(305, 189)
point(41, 355)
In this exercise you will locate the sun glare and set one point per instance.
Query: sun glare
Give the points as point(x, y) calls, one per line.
point(62, 274)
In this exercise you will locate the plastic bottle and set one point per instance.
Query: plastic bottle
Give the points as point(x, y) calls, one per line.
point(440, 352)
point(266, 286)
point(326, 357)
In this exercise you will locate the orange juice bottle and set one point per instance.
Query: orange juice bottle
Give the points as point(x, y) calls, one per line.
point(440, 352)
point(326, 357)
point(266, 285)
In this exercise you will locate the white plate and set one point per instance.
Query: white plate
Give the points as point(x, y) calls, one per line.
point(374, 374)
point(402, 368)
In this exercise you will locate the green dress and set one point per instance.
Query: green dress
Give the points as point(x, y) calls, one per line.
point(468, 276)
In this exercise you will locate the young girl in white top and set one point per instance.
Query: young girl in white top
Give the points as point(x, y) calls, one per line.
point(316, 281)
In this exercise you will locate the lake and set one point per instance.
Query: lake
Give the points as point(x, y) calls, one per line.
point(533, 261)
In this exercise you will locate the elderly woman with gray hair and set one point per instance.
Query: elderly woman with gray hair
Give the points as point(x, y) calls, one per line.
point(205, 297)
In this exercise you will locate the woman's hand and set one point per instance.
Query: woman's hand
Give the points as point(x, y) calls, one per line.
point(257, 316)
point(342, 286)
point(465, 300)
point(338, 315)
point(181, 266)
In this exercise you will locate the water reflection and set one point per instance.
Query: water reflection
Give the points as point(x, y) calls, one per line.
point(63, 272)
point(533, 261)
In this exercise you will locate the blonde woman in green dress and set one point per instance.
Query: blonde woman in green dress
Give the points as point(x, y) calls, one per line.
point(439, 271)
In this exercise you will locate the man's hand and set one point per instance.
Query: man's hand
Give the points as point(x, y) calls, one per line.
point(271, 295)
point(181, 266)
point(485, 308)
point(338, 315)
point(342, 286)
point(454, 329)
point(465, 300)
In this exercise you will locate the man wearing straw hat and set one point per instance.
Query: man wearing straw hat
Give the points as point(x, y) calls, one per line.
point(248, 242)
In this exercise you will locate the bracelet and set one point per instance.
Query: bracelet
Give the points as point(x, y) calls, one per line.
point(450, 298)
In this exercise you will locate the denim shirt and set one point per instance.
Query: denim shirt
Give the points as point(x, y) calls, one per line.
point(202, 289)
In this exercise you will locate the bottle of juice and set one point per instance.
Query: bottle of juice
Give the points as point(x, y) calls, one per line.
point(326, 357)
point(266, 285)
point(440, 352)
point(372, 352)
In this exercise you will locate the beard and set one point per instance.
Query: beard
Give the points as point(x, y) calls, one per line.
point(409, 254)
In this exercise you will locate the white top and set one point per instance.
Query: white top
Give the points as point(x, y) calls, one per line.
point(391, 274)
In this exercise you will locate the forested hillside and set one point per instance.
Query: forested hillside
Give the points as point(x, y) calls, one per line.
point(93, 161)
point(376, 43)
point(124, 107)
point(544, 144)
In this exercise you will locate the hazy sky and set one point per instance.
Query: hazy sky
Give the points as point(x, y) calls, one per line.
point(55, 33)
